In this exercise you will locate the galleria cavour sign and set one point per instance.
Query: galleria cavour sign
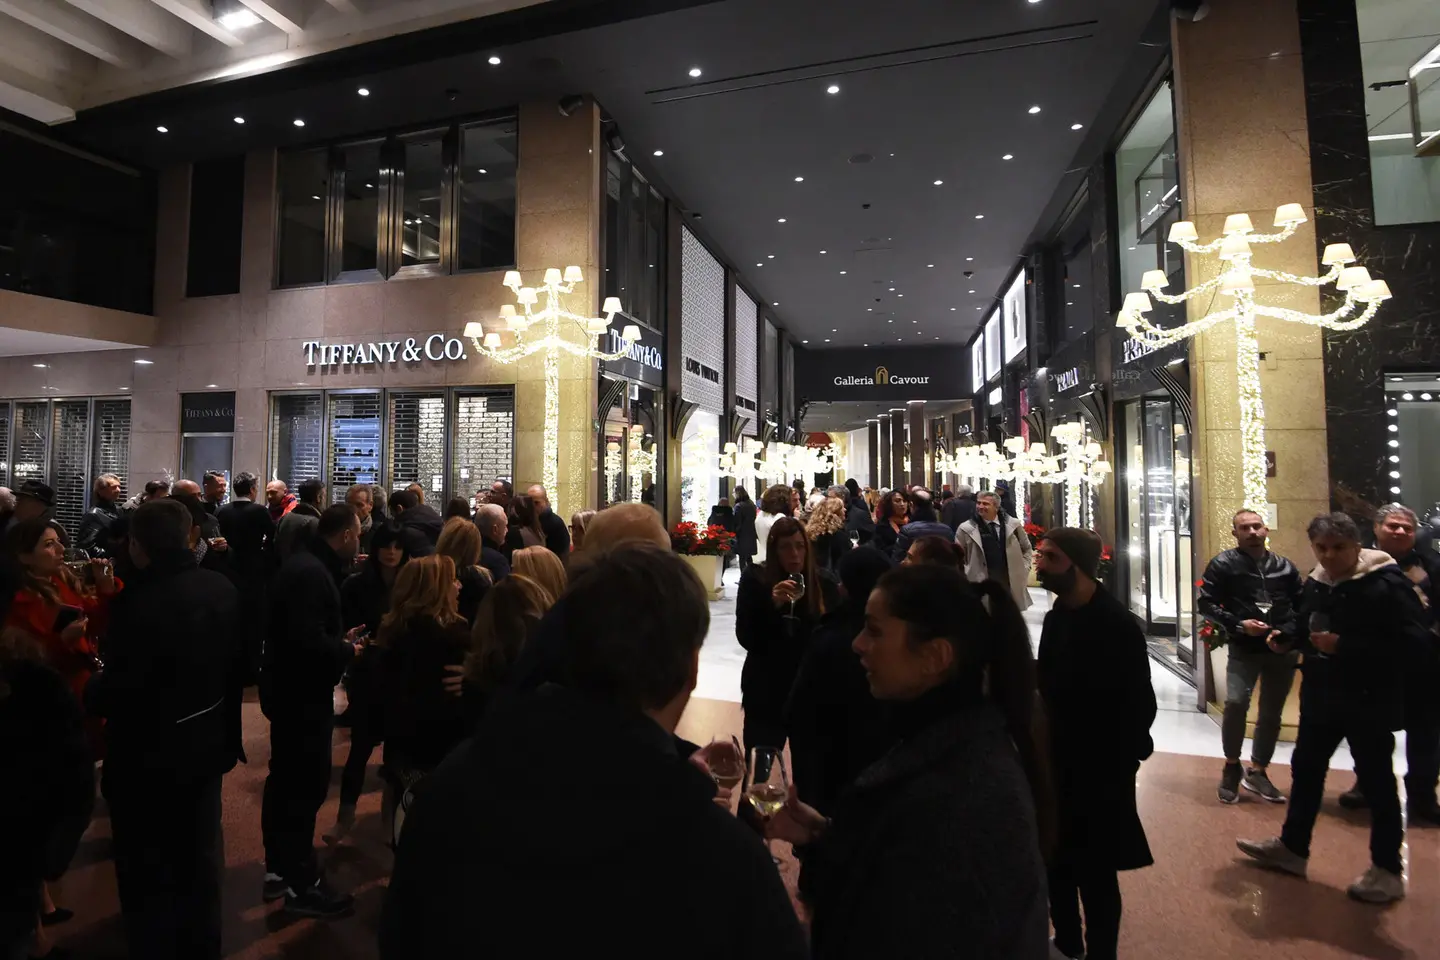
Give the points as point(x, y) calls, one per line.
point(915, 373)
point(436, 347)
point(882, 377)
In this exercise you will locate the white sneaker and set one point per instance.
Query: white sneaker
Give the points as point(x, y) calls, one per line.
point(1272, 853)
point(1378, 885)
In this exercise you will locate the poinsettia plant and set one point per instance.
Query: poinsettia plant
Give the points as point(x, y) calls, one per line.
point(1034, 531)
point(694, 540)
point(1106, 565)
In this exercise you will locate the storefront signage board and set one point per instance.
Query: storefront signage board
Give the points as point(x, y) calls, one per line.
point(644, 359)
point(436, 347)
point(207, 412)
point(828, 376)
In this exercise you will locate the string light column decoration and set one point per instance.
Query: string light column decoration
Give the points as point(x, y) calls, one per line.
point(1236, 279)
point(640, 460)
point(540, 328)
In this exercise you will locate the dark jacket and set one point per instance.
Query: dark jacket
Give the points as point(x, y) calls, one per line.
point(1380, 621)
point(493, 560)
point(249, 531)
point(473, 587)
point(829, 548)
point(422, 722)
point(914, 531)
point(933, 852)
point(774, 646)
point(836, 727)
point(1094, 674)
point(171, 688)
point(364, 598)
point(305, 649)
point(722, 515)
point(94, 533)
point(885, 537)
point(293, 532)
point(471, 842)
point(1422, 567)
point(744, 513)
point(957, 510)
point(557, 534)
point(1233, 581)
point(427, 523)
point(858, 520)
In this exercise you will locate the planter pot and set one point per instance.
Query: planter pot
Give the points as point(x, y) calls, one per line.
point(709, 570)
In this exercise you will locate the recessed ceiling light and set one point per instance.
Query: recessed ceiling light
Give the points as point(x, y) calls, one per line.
point(775, 303)
point(834, 330)
point(1077, 126)
point(939, 182)
point(1008, 156)
point(480, 170)
point(865, 344)
point(144, 363)
point(211, 386)
point(1132, 248)
point(827, 339)
point(239, 119)
point(1077, 286)
point(1034, 109)
point(781, 220)
point(972, 291)
point(238, 19)
point(979, 216)
point(659, 153)
point(769, 256)
point(39, 366)
point(759, 264)
point(968, 259)
point(833, 88)
point(315, 196)
point(363, 91)
point(931, 265)
point(953, 309)
point(892, 289)
point(842, 273)
point(979, 308)
point(695, 72)
point(298, 122)
point(822, 251)
point(889, 321)
point(869, 309)
point(804, 341)
point(162, 129)
point(799, 179)
point(899, 294)
point(494, 60)
point(124, 388)
point(937, 338)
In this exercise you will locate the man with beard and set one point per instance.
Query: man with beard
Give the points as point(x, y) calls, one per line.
point(1094, 678)
point(1255, 596)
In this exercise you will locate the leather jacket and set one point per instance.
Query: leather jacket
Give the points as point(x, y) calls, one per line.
point(1232, 584)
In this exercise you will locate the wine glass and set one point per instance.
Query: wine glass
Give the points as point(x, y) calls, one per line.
point(726, 761)
point(78, 561)
point(1320, 623)
point(799, 580)
point(1263, 603)
point(769, 785)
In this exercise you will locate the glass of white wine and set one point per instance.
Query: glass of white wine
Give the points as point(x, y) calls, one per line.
point(798, 579)
point(726, 761)
point(770, 784)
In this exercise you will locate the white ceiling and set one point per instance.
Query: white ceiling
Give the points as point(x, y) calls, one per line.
point(1393, 35)
point(26, 343)
point(60, 56)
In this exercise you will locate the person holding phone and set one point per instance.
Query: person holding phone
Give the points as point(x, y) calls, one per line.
point(1364, 622)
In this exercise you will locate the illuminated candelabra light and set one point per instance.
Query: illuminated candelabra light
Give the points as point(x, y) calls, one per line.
point(1236, 280)
point(539, 326)
point(641, 461)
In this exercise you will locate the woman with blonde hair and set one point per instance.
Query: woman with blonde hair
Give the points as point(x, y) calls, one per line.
point(460, 541)
point(419, 637)
point(827, 533)
point(542, 566)
point(579, 521)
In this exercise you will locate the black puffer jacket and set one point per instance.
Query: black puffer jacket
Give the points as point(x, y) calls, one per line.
point(1378, 616)
point(1232, 584)
point(305, 648)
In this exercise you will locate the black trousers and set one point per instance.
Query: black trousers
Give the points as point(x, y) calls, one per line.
point(1372, 747)
point(364, 738)
point(168, 857)
point(1422, 748)
point(295, 789)
point(1099, 891)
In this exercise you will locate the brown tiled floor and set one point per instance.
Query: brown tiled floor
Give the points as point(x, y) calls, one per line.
point(1200, 901)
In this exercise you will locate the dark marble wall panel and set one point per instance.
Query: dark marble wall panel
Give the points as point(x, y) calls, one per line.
point(1406, 332)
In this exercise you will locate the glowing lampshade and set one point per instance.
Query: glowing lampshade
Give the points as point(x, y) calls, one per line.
point(1372, 291)
point(1092, 449)
point(519, 323)
point(1037, 449)
point(1154, 280)
point(1237, 281)
point(1182, 230)
point(552, 276)
point(1337, 253)
point(631, 332)
point(473, 330)
point(1137, 303)
point(507, 311)
point(512, 279)
point(573, 275)
point(527, 296)
point(611, 307)
point(1352, 277)
point(492, 341)
point(1289, 213)
point(1238, 223)
point(596, 325)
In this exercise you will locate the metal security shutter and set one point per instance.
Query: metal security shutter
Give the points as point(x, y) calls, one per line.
point(353, 454)
point(769, 364)
point(70, 444)
point(110, 442)
point(416, 442)
point(702, 324)
point(32, 440)
point(297, 426)
point(4, 443)
point(483, 440)
point(747, 389)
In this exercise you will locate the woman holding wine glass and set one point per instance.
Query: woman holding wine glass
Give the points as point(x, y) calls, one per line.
point(937, 843)
point(777, 607)
point(892, 514)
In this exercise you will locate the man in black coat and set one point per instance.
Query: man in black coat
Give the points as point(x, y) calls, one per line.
point(249, 531)
point(1365, 630)
point(170, 696)
point(959, 508)
point(556, 530)
point(1094, 676)
point(1255, 596)
point(493, 524)
point(421, 522)
point(96, 526)
point(744, 514)
point(306, 652)
point(683, 877)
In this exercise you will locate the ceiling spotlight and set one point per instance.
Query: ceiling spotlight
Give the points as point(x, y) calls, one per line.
point(494, 60)
point(239, 119)
point(899, 294)
point(759, 264)
point(659, 153)
point(939, 182)
point(233, 14)
point(144, 363)
point(804, 341)
point(371, 186)
point(833, 88)
point(972, 291)
point(298, 122)
point(316, 196)
point(781, 220)
point(1008, 156)
point(162, 129)
point(799, 179)
point(480, 170)
point(363, 91)
point(775, 304)
point(1035, 109)
point(695, 71)
point(952, 309)
point(892, 289)
point(931, 265)
point(842, 273)
point(979, 216)
point(827, 339)
point(769, 256)
point(1077, 126)
point(822, 251)
point(869, 309)
point(40, 366)
point(968, 259)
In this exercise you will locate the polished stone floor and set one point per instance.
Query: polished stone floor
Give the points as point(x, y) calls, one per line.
point(1200, 901)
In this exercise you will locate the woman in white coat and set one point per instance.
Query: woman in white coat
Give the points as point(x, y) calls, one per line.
point(996, 548)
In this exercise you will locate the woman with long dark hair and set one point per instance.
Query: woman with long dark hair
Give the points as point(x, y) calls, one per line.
point(892, 514)
point(364, 600)
point(527, 521)
point(938, 842)
point(777, 607)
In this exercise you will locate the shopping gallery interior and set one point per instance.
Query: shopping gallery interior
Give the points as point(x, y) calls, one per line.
point(904, 243)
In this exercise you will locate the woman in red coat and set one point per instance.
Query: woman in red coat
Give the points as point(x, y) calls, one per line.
point(52, 605)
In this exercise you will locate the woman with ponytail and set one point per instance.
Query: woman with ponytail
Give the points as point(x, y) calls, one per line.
point(938, 843)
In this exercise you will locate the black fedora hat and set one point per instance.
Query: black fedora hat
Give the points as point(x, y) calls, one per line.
point(38, 489)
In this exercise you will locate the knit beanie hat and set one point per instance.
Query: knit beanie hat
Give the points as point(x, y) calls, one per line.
point(1083, 547)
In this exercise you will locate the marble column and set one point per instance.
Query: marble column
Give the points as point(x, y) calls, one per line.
point(882, 468)
point(916, 410)
point(898, 472)
point(872, 431)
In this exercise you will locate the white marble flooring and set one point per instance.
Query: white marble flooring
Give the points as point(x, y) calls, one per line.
point(1179, 726)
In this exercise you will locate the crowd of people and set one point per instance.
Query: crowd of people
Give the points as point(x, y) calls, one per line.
point(951, 792)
